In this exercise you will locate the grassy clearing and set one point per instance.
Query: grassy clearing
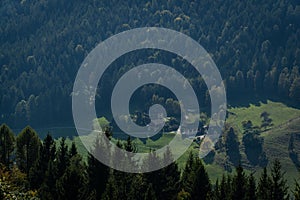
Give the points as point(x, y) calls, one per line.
point(276, 143)
point(279, 113)
point(286, 120)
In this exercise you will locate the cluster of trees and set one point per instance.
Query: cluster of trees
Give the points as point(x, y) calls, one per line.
point(254, 44)
point(34, 169)
point(231, 146)
point(251, 143)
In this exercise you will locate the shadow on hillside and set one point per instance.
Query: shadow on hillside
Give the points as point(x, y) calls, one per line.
point(245, 100)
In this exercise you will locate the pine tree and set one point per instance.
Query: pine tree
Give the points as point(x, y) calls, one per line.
point(112, 188)
point(7, 141)
point(73, 150)
point(225, 188)
point(28, 144)
point(47, 153)
point(118, 183)
point(154, 177)
point(202, 186)
point(251, 188)
point(264, 186)
point(72, 185)
point(48, 190)
point(98, 173)
point(140, 188)
point(239, 184)
point(171, 177)
point(195, 179)
point(278, 187)
point(63, 157)
point(232, 147)
point(185, 179)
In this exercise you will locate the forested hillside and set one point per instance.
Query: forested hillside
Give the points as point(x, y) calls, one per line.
point(255, 44)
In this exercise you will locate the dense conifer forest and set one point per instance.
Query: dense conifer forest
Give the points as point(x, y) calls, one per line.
point(254, 44)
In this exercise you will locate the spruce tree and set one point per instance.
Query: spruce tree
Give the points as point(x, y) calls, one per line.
point(279, 188)
point(111, 189)
point(264, 186)
point(119, 183)
point(232, 147)
point(7, 142)
point(140, 188)
point(224, 189)
point(239, 184)
point(154, 177)
point(28, 145)
point(251, 188)
point(47, 153)
point(202, 186)
point(48, 190)
point(72, 184)
point(63, 157)
point(73, 150)
point(98, 173)
point(171, 177)
point(195, 179)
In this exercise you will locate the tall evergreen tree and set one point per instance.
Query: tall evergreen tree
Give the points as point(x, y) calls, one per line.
point(232, 147)
point(140, 188)
point(98, 173)
point(119, 183)
point(279, 188)
point(73, 150)
point(28, 144)
point(195, 179)
point(170, 177)
point(7, 141)
point(251, 188)
point(47, 153)
point(72, 185)
point(239, 184)
point(63, 157)
point(154, 177)
point(225, 188)
point(48, 189)
point(264, 186)
point(221, 191)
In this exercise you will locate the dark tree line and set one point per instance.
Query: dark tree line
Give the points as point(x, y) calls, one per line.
point(254, 44)
point(53, 170)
